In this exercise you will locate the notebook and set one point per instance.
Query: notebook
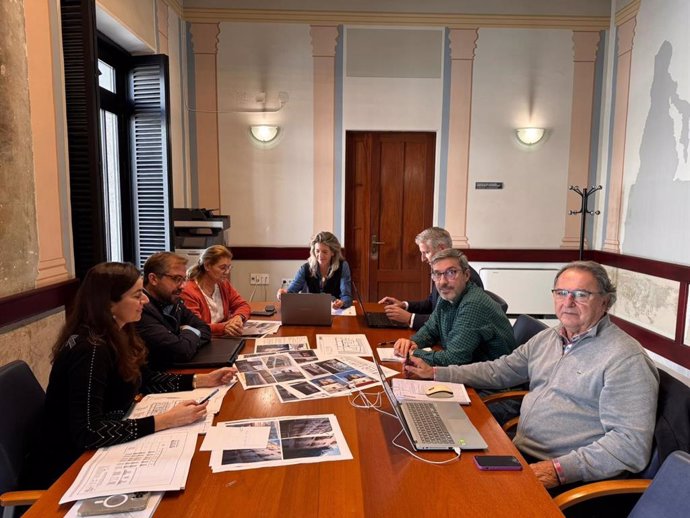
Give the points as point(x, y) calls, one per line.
point(221, 352)
point(305, 309)
point(433, 425)
point(376, 318)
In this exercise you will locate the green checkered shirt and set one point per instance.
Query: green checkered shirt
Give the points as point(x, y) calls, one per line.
point(471, 329)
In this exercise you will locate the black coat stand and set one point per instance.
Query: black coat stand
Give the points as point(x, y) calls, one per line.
point(584, 195)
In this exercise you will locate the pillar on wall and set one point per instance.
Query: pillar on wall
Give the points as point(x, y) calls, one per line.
point(463, 43)
point(205, 110)
point(585, 44)
point(162, 25)
point(323, 42)
point(626, 34)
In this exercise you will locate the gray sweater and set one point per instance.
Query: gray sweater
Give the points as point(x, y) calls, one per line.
point(593, 408)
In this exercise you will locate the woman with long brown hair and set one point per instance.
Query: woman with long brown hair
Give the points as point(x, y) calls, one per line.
point(99, 366)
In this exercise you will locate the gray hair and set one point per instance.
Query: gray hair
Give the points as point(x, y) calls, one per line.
point(434, 238)
point(451, 253)
point(599, 274)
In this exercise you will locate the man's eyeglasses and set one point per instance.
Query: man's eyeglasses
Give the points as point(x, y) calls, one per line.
point(450, 274)
point(177, 279)
point(578, 295)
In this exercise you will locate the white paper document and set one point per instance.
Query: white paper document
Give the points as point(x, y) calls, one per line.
point(292, 440)
point(281, 344)
point(387, 354)
point(344, 312)
point(151, 506)
point(235, 438)
point(339, 345)
point(157, 462)
point(415, 390)
point(260, 327)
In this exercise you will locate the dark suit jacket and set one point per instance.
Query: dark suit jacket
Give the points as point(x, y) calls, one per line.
point(422, 309)
point(166, 342)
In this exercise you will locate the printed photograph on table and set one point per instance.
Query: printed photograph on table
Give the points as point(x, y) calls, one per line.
point(278, 344)
point(292, 440)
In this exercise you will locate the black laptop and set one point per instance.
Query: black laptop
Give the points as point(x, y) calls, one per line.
point(221, 352)
point(376, 318)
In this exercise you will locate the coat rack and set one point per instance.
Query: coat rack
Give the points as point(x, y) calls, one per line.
point(584, 195)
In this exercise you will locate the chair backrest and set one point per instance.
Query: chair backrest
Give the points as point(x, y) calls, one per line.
point(667, 495)
point(525, 327)
point(501, 302)
point(21, 404)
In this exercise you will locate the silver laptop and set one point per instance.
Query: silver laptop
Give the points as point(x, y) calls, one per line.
point(433, 425)
point(305, 309)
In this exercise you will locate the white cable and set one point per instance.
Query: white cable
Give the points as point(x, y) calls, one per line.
point(458, 452)
point(251, 297)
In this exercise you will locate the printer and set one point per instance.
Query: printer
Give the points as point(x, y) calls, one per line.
point(197, 229)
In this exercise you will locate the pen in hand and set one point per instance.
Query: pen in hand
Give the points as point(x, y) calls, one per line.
point(207, 397)
point(407, 362)
point(387, 342)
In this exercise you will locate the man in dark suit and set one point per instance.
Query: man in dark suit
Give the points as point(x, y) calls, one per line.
point(171, 332)
point(416, 313)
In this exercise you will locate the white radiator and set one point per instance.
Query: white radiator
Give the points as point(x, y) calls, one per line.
point(526, 290)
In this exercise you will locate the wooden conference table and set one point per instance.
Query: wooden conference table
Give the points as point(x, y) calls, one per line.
point(381, 480)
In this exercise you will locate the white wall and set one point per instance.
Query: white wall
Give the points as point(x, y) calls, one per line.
point(266, 189)
point(521, 78)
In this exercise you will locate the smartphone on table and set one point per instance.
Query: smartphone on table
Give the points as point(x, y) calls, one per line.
point(497, 462)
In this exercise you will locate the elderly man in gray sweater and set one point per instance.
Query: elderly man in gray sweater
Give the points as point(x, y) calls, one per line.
point(591, 408)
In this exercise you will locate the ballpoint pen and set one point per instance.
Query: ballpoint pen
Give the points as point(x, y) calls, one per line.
point(387, 342)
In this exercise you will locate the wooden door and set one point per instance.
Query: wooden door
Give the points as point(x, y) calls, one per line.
point(389, 186)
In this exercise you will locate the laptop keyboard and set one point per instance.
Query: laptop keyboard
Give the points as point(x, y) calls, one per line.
point(429, 424)
point(381, 320)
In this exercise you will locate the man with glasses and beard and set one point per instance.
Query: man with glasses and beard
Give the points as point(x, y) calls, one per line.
point(171, 332)
point(467, 324)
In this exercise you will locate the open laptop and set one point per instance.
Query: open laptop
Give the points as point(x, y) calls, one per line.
point(305, 309)
point(433, 425)
point(221, 352)
point(375, 318)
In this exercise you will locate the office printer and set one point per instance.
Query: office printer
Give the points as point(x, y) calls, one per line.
point(197, 229)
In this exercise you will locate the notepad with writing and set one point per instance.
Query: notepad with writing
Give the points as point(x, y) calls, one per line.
point(415, 390)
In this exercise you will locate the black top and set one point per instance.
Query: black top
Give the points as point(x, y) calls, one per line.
point(84, 406)
point(160, 328)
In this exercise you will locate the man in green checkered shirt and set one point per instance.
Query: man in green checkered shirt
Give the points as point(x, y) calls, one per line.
point(467, 324)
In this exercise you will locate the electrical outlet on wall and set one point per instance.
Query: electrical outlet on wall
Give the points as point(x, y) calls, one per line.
point(254, 279)
point(264, 279)
point(285, 283)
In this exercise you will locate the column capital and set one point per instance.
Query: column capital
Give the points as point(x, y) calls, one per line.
point(585, 45)
point(205, 37)
point(463, 43)
point(324, 39)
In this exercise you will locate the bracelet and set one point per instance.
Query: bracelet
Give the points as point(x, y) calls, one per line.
point(194, 381)
point(560, 474)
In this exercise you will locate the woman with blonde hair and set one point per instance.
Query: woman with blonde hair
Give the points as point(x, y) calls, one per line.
point(210, 295)
point(326, 271)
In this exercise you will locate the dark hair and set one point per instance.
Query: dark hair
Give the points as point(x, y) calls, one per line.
point(599, 274)
point(159, 264)
point(103, 285)
point(451, 253)
point(213, 254)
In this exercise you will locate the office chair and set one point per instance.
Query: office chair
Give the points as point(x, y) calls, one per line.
point(21, 404)
point(525, 327)
point(501, 302)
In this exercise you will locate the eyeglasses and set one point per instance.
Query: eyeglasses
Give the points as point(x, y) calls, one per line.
point(225, 268)
point(578, 295)
point(177, 279)
point(450, 274)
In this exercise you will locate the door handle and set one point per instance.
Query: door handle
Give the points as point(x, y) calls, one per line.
point(375, 246)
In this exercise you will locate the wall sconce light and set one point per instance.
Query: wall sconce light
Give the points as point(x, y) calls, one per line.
point(264, 133)
point(530, 136)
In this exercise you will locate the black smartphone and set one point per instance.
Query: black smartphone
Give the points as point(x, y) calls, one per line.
point(497, 462)
point(269, 310)
point(126, 503)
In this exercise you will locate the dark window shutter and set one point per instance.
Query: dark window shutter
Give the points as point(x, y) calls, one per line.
point(151, 162)
point(81, 97)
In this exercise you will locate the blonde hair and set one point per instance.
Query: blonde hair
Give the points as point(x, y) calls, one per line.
point(328, 239)
point(212, 254)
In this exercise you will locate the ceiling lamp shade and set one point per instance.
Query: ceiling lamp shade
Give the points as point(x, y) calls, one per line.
point(530, 136)
point(264, 133)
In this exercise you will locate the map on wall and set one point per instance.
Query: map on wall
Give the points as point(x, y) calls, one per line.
point(650, 302)
point(659, 201)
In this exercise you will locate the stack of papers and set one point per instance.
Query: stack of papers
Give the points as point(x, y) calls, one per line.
point(415, 390)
